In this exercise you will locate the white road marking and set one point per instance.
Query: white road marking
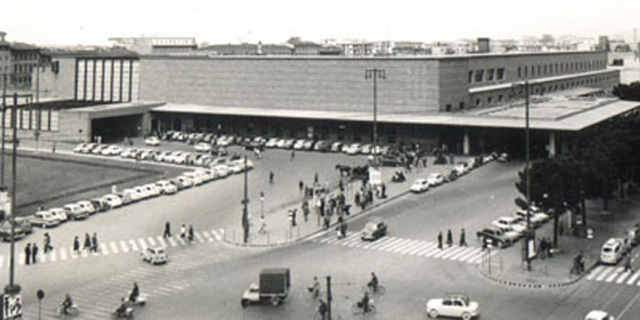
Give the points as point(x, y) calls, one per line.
point(172, 242)
point(161, 241)
point(216, 235)
point(594, 272)
point(143, 245)
point(151, 241)
point(603, 274)
point(615, 274)
point(114, 247)
point(52, 256)
point(452, 252)
point(134, 247)
point(199, 237)
point(633, 277)
point(623, 276)
point(208, 236)
point(63, 253)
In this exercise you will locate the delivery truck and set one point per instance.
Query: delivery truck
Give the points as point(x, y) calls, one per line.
point(272, 287)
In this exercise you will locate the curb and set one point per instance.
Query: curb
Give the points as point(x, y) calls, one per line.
point(523, 285)
point(319, 231)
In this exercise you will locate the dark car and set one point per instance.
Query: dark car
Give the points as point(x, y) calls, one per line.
point(494, 237)
point(390, 161)
point(19, 231)
point(373, 230)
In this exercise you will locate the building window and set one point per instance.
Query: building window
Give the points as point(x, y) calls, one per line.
point(470, 76)
point(489, 100)
point(519, 72)
point(479, 75)
point(533, 71)
point(500, 98)
point(490, 74)
point(539, 73)
point(526, 71)
point(449, 108)
point(461, 105)
point(500, 74)
point(478, 102)
point(545, 69)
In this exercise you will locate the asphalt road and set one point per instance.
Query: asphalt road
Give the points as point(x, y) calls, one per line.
point(205, 280)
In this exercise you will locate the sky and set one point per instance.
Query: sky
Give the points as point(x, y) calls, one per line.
point(92, 22)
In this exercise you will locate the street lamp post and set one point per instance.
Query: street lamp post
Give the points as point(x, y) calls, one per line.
point(245, 203)
point(375, 74)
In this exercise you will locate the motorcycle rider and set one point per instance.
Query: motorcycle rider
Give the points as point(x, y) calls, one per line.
point(364, 303)
point(67, 304)
point(135, 293)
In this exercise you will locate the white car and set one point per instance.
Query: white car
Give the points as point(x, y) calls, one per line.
point(75, 212)
point(44, 219)
point(80, 147)
point(155, 255)
point(142, 192)
point(599, 315)
point(196, 177)
point(170, 158)
point(129, 195)
point(181, 158)
point(514, 222)
point(366, 149)
point(60, 214)
point(299, 144)
point(129, 153)
point(435, 179)
point(457, 306)
point(98, 149)
point(420, 185)
point(536, 218)
point(152, 189)
point(461, 168)
point(87, 206)
point(354, 148)
point(111, 150)
point(152, 141)
point(183, 182)
point(222, 170)
point(202, 147)
point(271, 143)
point(112, 200)
point(166, 187)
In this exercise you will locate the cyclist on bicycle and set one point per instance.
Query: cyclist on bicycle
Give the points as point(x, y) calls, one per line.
point(373, 284)
point(364, 303)
point(315, 288)
point(323, 309)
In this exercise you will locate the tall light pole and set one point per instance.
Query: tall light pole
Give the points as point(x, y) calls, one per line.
point(245, 203)
point(4, 122)
point(375, 74)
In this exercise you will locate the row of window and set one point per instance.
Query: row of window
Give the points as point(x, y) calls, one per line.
point(25, 56)
point(486, 75)
point(23, 68)
point(542, 89)
point(560, 68)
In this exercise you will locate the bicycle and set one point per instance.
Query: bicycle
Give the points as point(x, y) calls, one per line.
point(312, 294)
point(358, 309)
point(379, 291)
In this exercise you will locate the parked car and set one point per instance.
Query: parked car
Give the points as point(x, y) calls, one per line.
point(420, 185)
point(390, 160)
point(373, 230)
point(366, 149)
point(494, 236)
point(435, 179)
point(44, 219)
point(166, 187)
point(506, 221)
point(142, 192)
point(322, 146)
point(271, 143)
point(536, 218)
point(155, 255)
point(307, 145)
point(612, 251)
point(98, 148)
point(183, 182)
point(75, 212)
point(87, 147)
point(353, 149)
point(25, 224)
point(5, 231)
point(148, 154)
point(112, 200)
point(196, 177)
point(80, 147)
point(288, 143)
point(455, 305)
point(87, 207)
point(461, 168)
point(111, 150)
point(100, 204)
point(59, 214)
point(599, 315)
point(152, 141)
point(222, 170)
point(202, 147)
point(152, 189)
point(336, 147)
point(129, 153)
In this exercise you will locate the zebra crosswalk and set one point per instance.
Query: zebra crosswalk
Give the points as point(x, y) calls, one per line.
point(98, 300)
point(118, 247)
point(615, 275)
point(410, 247)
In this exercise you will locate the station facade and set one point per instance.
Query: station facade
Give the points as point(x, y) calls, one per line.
point(455, 102)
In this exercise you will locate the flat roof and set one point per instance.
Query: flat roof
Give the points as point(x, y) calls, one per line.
point(108, 110)
point(541, 80)
point(557, 113)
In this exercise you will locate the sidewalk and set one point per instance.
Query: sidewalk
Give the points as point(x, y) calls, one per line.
point(279, 230)
point(507, 266)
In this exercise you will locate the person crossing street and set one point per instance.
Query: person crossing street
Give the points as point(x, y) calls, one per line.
point(440, 240)
point(47, 242)
point(449, 238)
point(463, 238)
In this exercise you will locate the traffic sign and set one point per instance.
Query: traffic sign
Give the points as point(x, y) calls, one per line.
point(11, 306)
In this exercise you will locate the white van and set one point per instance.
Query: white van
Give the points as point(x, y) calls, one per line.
point(612, 251)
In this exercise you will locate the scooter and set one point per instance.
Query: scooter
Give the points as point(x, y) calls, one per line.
point(72, 311)
point(125, 310)
point(140, 301)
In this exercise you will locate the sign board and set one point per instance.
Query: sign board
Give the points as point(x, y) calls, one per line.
point(375, 176)
point(532, 248)
point(11, 306)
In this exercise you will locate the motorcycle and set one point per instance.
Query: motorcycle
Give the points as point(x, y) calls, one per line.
point(125, 310)
point(140, 301)
point(72, 311)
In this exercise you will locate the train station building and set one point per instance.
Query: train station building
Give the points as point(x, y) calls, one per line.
point(465, 103)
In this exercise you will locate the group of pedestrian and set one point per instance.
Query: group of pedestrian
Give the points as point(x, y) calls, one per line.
point(90, 243)
point(462, 242)
point(545, 248)
point(31, 253)
point(185, 234)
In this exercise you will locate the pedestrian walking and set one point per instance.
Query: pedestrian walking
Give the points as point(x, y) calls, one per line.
point(424, 161)
point(87, 242)
point(167, 230)
point(183, 232)
point(627, 263)
point(301, 186)
point(440, 240)
point(263, 225)
point(315, 179)
point(449, 238)
point(463, 238)
point(27, 254)
point(293, 154)
point(94, 242)
point(76, 245)
point(271, 175)
point(305, 210)
point(47, 242)
point(191, 233)
point(34, 253)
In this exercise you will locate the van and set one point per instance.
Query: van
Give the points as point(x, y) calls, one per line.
point(612, 251)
